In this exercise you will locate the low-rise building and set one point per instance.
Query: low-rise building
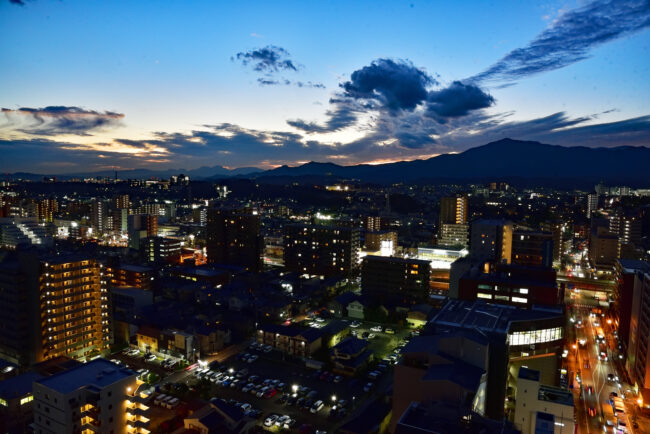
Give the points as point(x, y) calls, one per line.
point(98, 397)
point(533, 398)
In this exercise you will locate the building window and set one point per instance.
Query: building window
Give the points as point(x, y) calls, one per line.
point(26, 399)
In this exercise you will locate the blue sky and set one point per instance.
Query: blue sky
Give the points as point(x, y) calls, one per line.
point(91, 84)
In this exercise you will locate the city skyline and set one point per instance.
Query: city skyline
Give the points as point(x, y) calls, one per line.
point(96, 86)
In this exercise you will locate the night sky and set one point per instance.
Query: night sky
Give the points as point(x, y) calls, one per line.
point(89, 85)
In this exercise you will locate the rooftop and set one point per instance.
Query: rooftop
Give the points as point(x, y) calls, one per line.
point(528, 374)
point(18, 386)
point(99, 373)
point(555, 395)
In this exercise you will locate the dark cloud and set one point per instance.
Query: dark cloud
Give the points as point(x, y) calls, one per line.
point(17, 2)
point(268, 59)
point(338, 118)
point(456, 100)
point(570, 38)
point(397, 84)
point(54, 120)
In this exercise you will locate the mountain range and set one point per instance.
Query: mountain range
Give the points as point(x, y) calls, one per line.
point(505, 160)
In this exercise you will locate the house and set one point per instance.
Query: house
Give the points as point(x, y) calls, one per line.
point(217, 417)
point(339, 305)
point(297, 341)
point(148, 338)
point(211, 339)
point(356, 309)
point(335, 332)
point(350, 356)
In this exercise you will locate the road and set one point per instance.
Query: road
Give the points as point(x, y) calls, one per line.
point(593, 391)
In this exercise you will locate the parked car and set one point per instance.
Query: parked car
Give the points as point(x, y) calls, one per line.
point(270, 421)
point(338, 379)
point(316, 407)
point(376, 329)
point(367, 387)
point(150, 357)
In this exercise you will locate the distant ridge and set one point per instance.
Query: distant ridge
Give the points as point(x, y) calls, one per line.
point(502, 159)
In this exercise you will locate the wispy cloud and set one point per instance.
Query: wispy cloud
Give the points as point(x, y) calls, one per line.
point(53, 120)
point(570, 38)
point(268, 59)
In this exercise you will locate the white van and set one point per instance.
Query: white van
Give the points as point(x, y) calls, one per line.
point(318, 405)
point(172, 403)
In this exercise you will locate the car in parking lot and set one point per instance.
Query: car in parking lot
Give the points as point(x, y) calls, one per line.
point(316, 406)
point(338, 379)
point(355, 324)
point(367, 387)
point(389, 331)
point(252, 358)
point(149, 357)
point(376, 329)
point(270, 393)
point(270, 421)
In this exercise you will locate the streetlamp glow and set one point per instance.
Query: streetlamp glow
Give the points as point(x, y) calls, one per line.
point(333, 398)
point(294, 388)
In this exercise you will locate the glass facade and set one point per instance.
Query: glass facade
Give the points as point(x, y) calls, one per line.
point(535, 336)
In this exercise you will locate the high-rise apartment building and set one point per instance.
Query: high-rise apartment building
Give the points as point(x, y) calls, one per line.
point(321, 250)
point(46, 209)
point(121, 202)
point(491, 240)
point(233, 237)
point(625, 271)
point(96, 397)
point(638, 351)
point(592, 203)
point(62, 299)
point(454, 235)
point(99, 217)
point(454, 210)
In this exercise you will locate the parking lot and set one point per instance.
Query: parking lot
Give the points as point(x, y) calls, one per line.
point(292, 389)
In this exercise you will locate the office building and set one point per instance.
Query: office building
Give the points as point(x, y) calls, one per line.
point(491, 240)
point(63, 301)
point(96, 397)
point(399, 279)
point(233, 237)
point(516, 337)
point(516, 285)
point(141, 226)
point(533, 248)
point(556, 229)
point(454, 235)
point(160, 249)
point(533, 398)
point(384, 242)
point(321, 250)
point(603, 248)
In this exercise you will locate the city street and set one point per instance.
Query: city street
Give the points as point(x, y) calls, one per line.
point(591, 385)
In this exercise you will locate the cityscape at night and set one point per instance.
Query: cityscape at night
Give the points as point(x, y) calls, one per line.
point(387, 217)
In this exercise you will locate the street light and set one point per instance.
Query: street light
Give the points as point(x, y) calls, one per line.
point(294, 388)
point(334, 398)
